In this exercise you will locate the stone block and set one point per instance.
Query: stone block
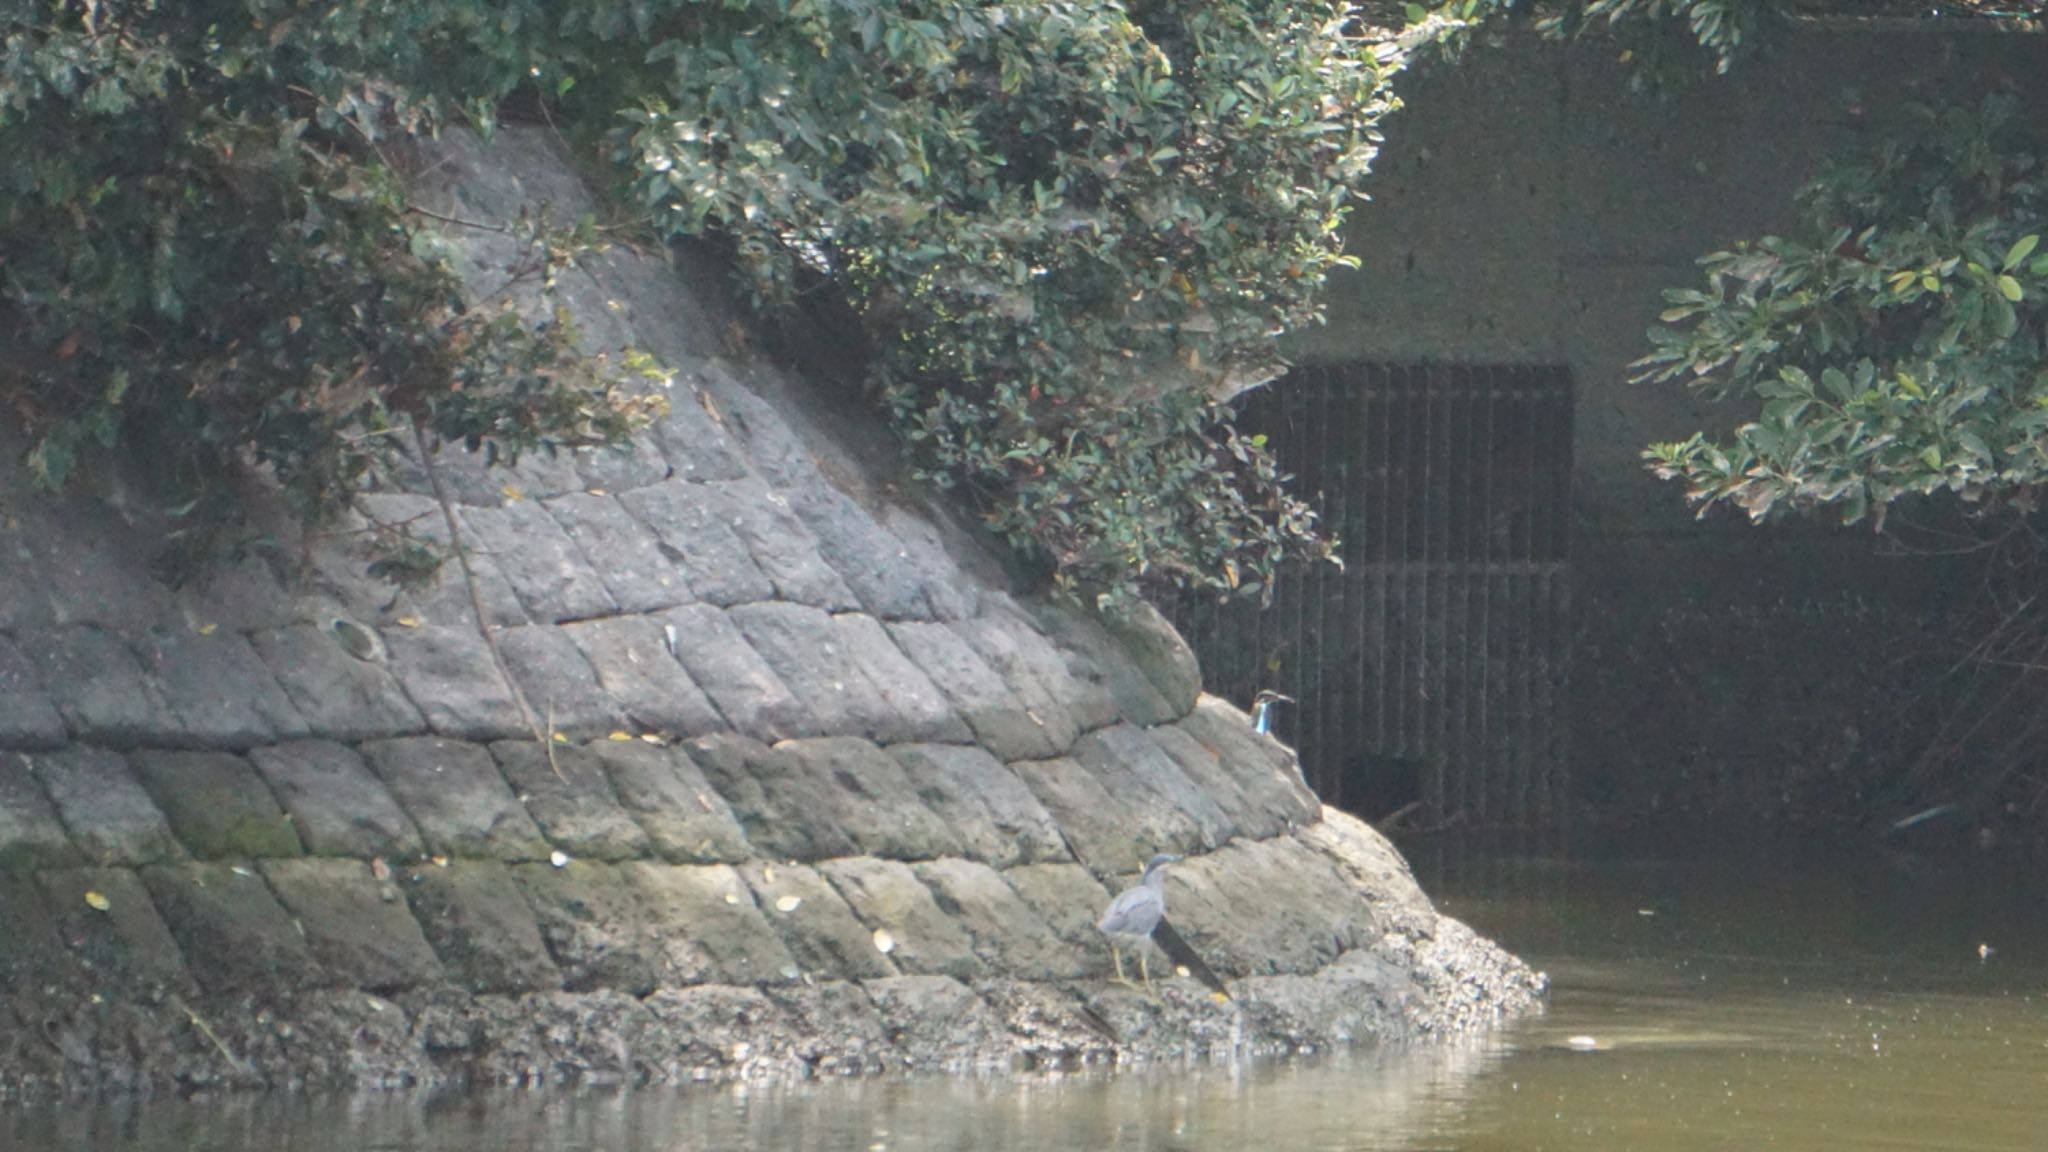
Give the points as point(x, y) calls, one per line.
point(694, 532)
point(693, 443)
point(33, 959)
point(1104, 832)
point(938, 1023)
point(341, 696)
point(1374, 866)
point(991, 812)
point(84, 558)
point(637, 671)
point(571, 799)
point(634, 570)
point(1070, 900)
point(748, 693)
point(443, 598)
point(833, 1028)
point(28, 721)
point(450, 676)
point(1206, 770)
point(782, 547)
point(708, 925)
point(111, 819)
point(454, 793)
point(873, 563)
point(827, 940)
point(1137, 771)
point(1027, 665)
point(337, 804)
point(31, 835)
point(548, 572)
point(852, 785)
point(126, 943)
point(698, 1034)
point(913, 706)
point(239, 593)
point(239, 940)
point(1263, 907)
point(98, 686)
point(358, 927)
point(804, 648)
point(481, 927)
point(634, 464)
point(593, 926)
point(760, 433)
point(889, 898)
point(685, 819)
point(217, 689)
point(1007, 933)
point(1267, 773)
point(1101, 667)
point(24, 601)
point(560, 686)
point(1001, 721)
point(217, 805)
point(741, 771)
point(952, 594)
point(1151, 642)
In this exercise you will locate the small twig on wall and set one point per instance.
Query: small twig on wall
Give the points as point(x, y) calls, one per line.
point(476, 599)
point(207, 1031)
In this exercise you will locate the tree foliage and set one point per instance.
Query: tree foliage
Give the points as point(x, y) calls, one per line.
point(1067, 230)
point(207, 260)
point(1895, 344)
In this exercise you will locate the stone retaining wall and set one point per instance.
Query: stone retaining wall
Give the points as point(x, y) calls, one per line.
point(812, 792)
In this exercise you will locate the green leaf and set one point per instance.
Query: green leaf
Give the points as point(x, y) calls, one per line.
point(2010, 289)
point(2020, 250)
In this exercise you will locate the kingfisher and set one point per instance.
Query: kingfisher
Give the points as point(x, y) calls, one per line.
point(1262, 709)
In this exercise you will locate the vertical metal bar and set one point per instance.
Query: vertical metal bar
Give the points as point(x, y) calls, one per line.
point(1533, 687)
point(1425, 619)
point(1440, 568)
point(1395, 626)
point(1472, 712)
point(1559, 457)
point(1489, 765)
point(1342, 665)
point(1313, 703)
point(1381, 435)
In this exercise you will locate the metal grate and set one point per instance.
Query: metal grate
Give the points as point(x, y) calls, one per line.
point(1432, 666)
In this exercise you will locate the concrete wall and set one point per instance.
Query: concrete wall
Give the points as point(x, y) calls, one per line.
point(1530, 208)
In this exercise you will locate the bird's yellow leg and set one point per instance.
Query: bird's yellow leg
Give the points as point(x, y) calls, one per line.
point(1116, 955)
point(1145, 974)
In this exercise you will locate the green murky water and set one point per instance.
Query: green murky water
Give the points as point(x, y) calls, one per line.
point(1772, 998)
